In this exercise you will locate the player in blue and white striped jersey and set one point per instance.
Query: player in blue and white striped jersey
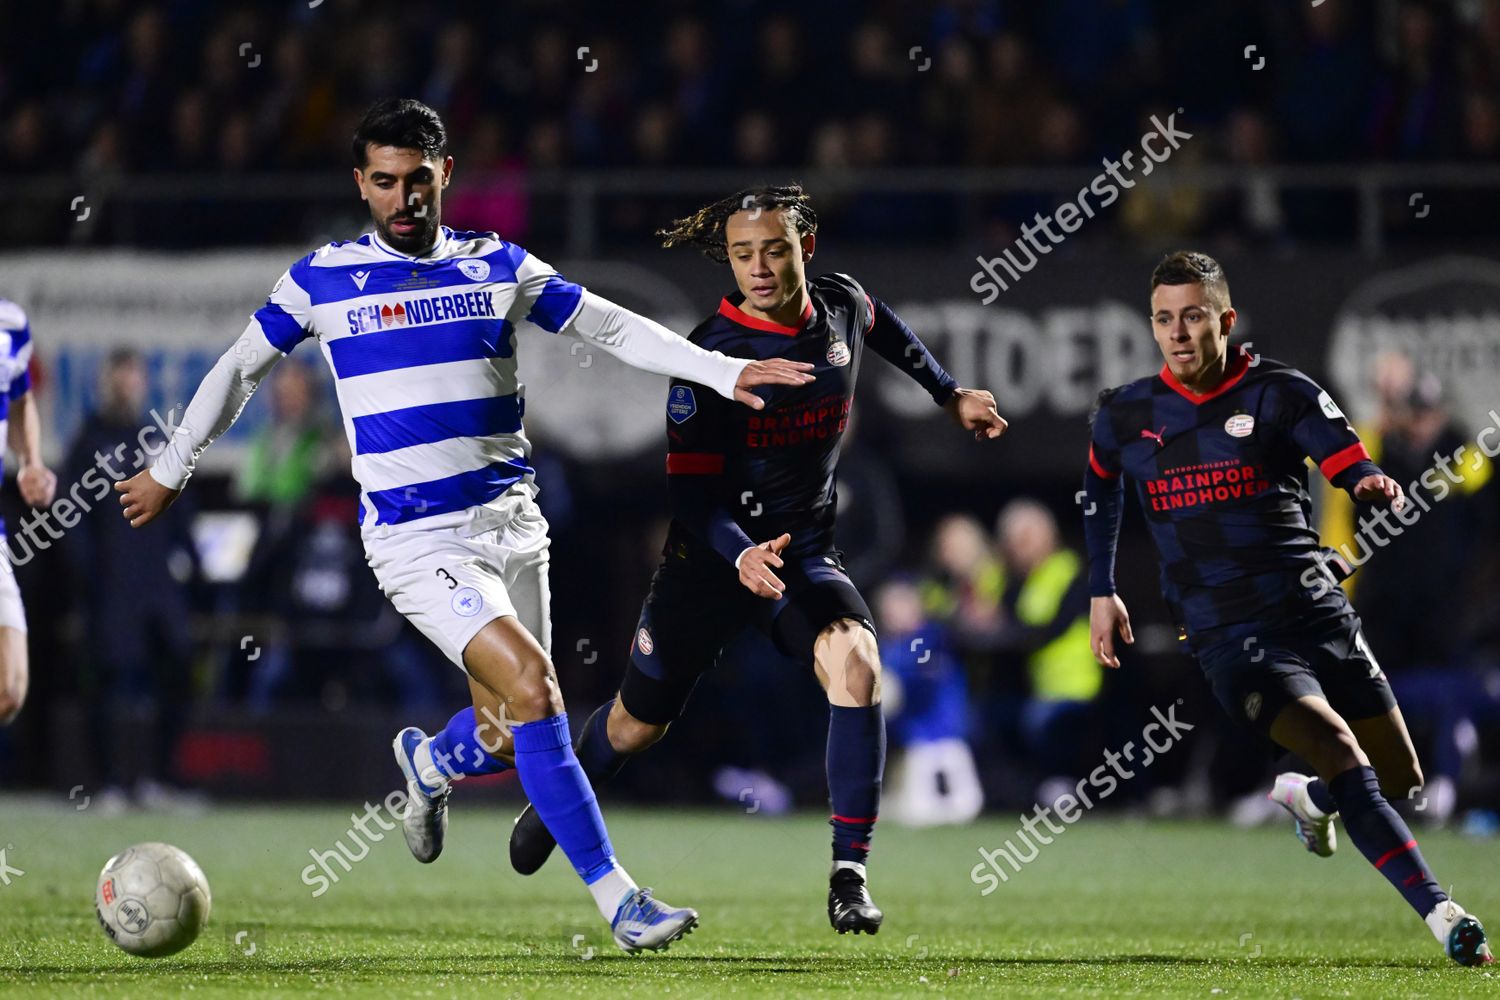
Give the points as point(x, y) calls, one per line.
point(20, 426)
point(419, 325)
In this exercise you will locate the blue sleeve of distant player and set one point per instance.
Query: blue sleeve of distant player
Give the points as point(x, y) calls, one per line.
point(1102, 498)
point(897, 343)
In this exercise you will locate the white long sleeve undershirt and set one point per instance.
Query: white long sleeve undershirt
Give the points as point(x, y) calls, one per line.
point(639, 342)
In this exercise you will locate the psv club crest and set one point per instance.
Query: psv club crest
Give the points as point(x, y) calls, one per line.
point(838, 353)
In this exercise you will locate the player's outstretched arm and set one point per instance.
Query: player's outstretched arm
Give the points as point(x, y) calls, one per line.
point(972, 409)
point(643, 343)
point(217, 404)
point(1107, 615)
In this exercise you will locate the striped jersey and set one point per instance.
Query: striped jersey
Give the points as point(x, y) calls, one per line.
point(422, 351)
point(1223, 483)
point(15, 365)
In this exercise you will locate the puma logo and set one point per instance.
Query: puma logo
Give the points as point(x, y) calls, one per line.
point(1155, 435)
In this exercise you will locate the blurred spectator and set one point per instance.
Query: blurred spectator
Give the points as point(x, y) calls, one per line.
point(1414, 105)
point(489, 186)
point(136, 656)
point(1250, 213)
point(965, 581)
point(1046, 631)
point(1409, 589)
point(1337, 66)
point(337, 640)
point(1005, 114)
point(926, 702)
point(289, 453)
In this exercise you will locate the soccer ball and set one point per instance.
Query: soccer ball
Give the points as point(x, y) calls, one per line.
point(152, 900)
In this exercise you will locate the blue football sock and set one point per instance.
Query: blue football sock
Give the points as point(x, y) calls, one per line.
point(1383, 837)
point(600, 760)
point(1317, 791)
point(561, 795)
point(856, 761)
point(459, 749)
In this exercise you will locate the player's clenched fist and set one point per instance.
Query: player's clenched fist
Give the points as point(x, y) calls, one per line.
point(974, 410)
point(1373, 489)
point(1106, 616)
point(755, 565)
point(38, 485)
point(144, 498)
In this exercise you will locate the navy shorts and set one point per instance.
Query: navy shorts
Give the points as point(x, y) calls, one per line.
point(1255, 677)
point(697, 605)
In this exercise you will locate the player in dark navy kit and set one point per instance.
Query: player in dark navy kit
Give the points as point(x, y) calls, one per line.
point(751, 543)
point(1216, 445)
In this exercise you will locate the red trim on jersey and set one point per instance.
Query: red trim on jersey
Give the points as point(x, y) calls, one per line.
point(694, 463)
point(1099, 470)
point(1388, 855)
point(734, 312)
point(1239, 364)
point(871, 306)
point(1342, 459)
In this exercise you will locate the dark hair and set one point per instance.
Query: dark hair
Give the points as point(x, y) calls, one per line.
point(401, 122)
point(119, 357)
point(1189, 267)
point(705, 227)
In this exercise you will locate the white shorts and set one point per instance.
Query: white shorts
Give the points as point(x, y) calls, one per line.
point(12, 612)
point(450, 585)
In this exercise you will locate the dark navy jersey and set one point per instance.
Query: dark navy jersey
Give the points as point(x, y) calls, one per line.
point(1223, 482)
point(741, 476)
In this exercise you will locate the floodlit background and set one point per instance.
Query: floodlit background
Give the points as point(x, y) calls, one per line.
point(164, 162)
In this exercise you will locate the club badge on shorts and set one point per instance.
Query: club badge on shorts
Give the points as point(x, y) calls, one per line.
point(467, 603)
point(1252, 705)
point(643, 642)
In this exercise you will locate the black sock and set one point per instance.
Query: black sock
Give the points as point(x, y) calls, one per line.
point(600, 760)
point(1383, 837)
point(1317, 790)
point(856, 762)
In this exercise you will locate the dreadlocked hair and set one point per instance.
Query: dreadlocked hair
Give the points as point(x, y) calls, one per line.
point(704, 229)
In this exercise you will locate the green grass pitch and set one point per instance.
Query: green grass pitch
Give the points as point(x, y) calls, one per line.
point(1113, 908)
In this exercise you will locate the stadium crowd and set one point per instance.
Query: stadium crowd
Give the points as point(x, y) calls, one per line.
point(98, 85)
point(99, 89)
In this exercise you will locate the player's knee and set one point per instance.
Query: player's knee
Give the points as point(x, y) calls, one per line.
point(534, 694)
point(1402, 782)
point(1340, 752)
point(11, 700)
point(627, 734)
point(849, 657)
